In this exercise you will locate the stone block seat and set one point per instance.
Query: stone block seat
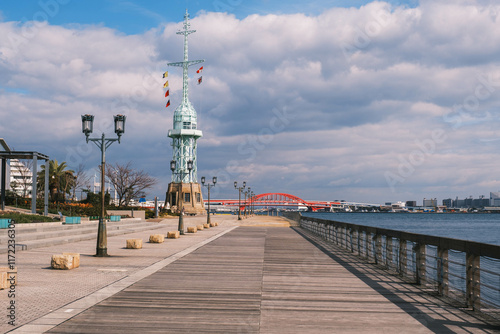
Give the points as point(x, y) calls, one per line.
point(65, 261)
point(157, 238)
point(8, 277)
point(134, 243)
point(173, 235)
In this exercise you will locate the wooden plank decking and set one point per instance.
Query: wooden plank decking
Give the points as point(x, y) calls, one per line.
point(272, 280)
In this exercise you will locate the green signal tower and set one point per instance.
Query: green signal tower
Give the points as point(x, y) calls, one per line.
point(184, 192)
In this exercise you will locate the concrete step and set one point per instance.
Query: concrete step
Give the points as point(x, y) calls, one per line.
point(35, 241)
point(22, 236)
point(56, 226)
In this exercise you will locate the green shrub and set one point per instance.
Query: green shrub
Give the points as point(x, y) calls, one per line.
point(24, 219)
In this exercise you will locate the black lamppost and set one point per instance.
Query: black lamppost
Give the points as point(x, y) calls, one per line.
point(251, 202)
point(247, 194)
point(240, 189)
point(103, 143)
point(181, 203)
point(208, 185)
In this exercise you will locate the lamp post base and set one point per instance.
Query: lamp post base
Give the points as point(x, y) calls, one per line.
point(192, 207)
point(101, 252)
point(181, 224)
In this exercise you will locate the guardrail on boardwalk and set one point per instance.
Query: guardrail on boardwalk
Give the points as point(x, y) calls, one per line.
point(463, 270)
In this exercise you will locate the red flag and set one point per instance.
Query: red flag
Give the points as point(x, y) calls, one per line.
point(168, 103)
point(199, 80)
point(200, 70)
point(167, 93)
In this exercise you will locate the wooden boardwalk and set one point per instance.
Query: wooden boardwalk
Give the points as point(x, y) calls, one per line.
point(272, 280)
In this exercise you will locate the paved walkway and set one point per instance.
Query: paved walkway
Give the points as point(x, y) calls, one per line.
point(255, 278)
point(42, 290)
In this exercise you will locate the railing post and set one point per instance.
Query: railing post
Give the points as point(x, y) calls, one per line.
point(473, 288)
point(388, 252)
point(420, 264)
point(442, 271)
point(350, 237)
point(344, 237)
point(341, 236)
point(403, 253)
point(367, 245)
point(358, 240)
point(378, 249)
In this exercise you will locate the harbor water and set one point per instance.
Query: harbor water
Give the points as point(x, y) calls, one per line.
point(479, 227)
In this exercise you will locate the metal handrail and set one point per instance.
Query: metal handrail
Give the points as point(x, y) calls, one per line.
point(407, 253)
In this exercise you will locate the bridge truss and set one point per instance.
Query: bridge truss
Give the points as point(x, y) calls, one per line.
point(277, 200)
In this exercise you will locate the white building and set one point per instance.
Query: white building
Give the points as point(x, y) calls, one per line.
point(20, 179)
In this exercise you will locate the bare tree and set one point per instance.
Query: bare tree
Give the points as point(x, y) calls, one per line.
point(128, 182)
point(81, 179)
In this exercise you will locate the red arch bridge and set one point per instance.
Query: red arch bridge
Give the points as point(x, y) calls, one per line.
point(275, 200)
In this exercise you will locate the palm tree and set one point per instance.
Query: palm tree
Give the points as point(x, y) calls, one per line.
point(61, 180)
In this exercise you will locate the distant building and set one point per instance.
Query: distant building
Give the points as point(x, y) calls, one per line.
point(431, 202)
point(448, 203)
point(494, 198)
point(470, 202)
point(20, 178)
point(480, 202)
point(411, 203)
point(459, 203)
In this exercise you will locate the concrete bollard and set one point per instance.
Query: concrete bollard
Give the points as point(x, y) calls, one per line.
point(206, 226)
point(199, 227)
point(192, 229)
point(212, 225)
point(134, 243)
point(76, 259)
point(157, 238)
point(64, 262)
point(7, 277)
point(173, 235)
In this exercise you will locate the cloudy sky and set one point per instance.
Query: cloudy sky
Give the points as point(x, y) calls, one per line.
point(355, 100)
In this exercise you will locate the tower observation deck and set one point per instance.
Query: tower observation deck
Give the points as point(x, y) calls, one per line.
point(184, 191)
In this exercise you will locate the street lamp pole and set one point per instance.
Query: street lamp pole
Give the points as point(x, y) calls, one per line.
point(208, 185)
point(181, 200)
point(239, 196)
point(247, 194)
point(102, 143)
point(251, 203)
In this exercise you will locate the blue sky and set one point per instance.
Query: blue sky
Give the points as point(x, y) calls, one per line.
point(135, 17)
point(356, 100)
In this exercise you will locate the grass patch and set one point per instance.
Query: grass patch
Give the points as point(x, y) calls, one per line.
point(20, 218)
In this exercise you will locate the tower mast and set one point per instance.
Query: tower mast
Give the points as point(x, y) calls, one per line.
point(184, 136)
point(185, 131)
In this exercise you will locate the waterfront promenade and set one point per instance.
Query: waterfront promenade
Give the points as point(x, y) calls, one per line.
point(253, 276)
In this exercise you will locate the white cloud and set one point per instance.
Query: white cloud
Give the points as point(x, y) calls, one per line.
point(319, 106)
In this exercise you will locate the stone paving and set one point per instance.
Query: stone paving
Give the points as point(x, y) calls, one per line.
point(41, 290)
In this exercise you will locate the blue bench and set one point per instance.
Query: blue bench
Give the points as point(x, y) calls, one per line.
point(73, 220)
point(4, 223)
point(115, 218)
